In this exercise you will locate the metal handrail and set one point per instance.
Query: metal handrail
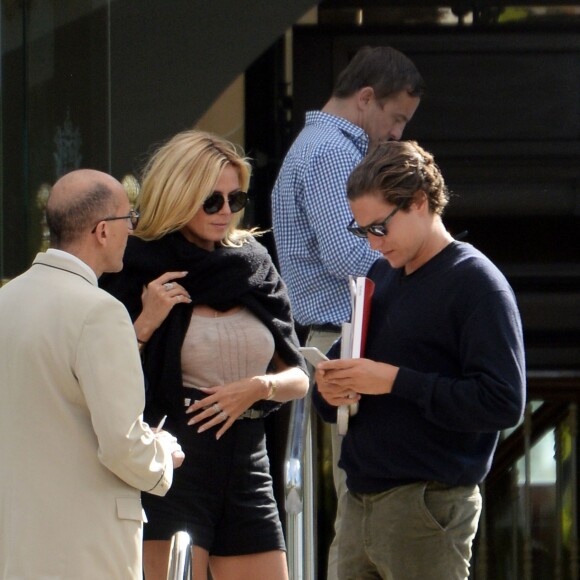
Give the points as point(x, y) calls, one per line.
point(179, 567)
point(299, 493)
point(293, 486)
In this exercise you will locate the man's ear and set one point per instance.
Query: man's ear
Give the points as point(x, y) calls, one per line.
point(365, 96)
point(101, 232)
point(420, 200)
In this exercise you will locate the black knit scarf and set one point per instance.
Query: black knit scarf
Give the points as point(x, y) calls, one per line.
point(223, 278)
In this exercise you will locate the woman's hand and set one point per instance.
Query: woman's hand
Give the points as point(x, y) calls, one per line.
point(342, 381)
point(225, 404)
point(158, 298)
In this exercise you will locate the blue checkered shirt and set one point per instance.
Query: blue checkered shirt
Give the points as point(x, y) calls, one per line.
point(310, 213)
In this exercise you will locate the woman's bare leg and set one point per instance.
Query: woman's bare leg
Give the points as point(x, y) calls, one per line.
point(156, 560)
point(262, 566)
point(200, 562)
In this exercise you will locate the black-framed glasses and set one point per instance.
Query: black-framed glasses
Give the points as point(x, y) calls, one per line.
point(375, 229)
point(236, 200)
point(133, 218)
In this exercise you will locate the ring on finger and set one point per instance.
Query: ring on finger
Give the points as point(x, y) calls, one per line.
point(217, 408)
point(168, 286)
point(223, 415)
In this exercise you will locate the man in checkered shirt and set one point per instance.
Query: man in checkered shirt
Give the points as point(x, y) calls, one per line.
point(374, 98)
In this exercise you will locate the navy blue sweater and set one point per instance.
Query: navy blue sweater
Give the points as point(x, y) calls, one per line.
point(453, 329)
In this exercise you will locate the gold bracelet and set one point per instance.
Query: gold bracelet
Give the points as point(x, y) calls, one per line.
point(141, 345)
point(273, 388)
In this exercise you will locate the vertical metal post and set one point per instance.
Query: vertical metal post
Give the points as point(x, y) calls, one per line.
point(558, 559)
point(179, 567)
point(299, 493)
point(482, 547)
point(309, 509)
point(294, 491)
point(515, 497)
point(294, 529)
point(574, 542)
point(527, 508)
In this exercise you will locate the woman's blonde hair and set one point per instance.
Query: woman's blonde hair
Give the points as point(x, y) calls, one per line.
point(180, 176)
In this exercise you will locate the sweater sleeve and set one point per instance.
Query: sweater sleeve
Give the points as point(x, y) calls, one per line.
point(489, 395)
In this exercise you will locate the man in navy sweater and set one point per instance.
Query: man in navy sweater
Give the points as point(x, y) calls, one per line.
point(443, 373)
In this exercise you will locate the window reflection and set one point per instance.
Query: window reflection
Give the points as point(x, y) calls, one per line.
point(55, 111)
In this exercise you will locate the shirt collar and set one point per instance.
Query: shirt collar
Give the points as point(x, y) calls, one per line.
point(73, 258)
point(352, 131)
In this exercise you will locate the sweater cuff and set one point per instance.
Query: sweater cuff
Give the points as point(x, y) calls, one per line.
point(411, 386)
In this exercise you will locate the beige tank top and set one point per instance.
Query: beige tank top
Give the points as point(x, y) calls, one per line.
point(217, 351)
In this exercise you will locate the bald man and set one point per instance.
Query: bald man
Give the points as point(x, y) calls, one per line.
point(74, 449)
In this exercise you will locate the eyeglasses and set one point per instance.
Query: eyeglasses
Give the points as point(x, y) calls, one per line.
point(374, 229)
point(133, 218)
point(236, 200)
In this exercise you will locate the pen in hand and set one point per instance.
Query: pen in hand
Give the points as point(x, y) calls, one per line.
point(173, 446)
point(160, 426)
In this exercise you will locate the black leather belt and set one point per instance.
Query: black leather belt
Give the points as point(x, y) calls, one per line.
point(251, 414)
point(197, 395)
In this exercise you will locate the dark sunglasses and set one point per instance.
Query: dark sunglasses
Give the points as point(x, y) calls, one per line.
point(374, 229)
point(236, 200)
point(133, 218)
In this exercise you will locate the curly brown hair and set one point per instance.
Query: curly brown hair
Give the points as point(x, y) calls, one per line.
point(396, 171)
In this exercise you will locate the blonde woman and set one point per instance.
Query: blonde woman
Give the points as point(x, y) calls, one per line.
point(213, 321)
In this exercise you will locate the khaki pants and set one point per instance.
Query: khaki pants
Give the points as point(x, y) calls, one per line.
point(421, 531)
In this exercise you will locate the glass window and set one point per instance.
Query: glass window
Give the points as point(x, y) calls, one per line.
point(55, 112)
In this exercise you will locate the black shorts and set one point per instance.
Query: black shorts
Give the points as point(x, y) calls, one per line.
point(222, 495)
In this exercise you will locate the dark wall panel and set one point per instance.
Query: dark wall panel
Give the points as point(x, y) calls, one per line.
point(171, 60)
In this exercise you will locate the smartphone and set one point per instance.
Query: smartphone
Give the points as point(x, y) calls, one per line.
point(312, 355)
